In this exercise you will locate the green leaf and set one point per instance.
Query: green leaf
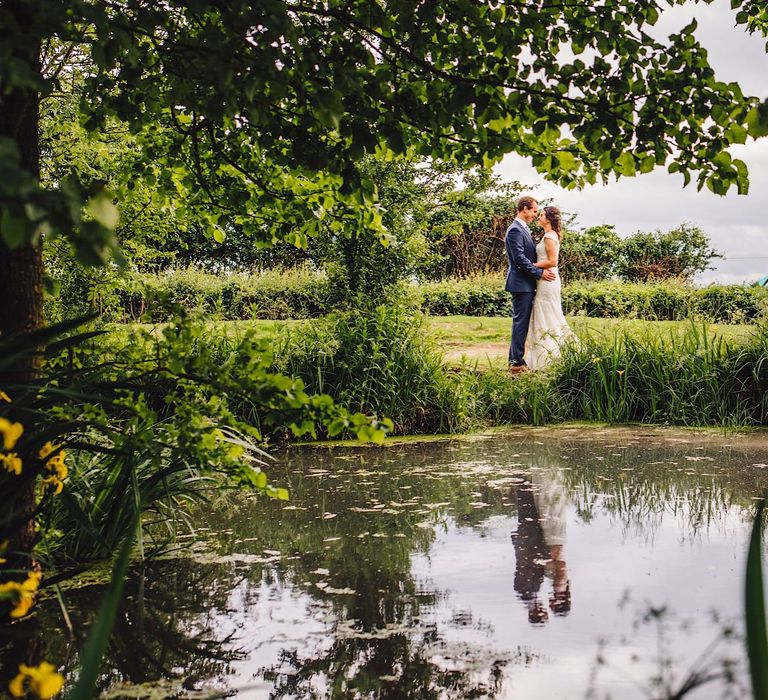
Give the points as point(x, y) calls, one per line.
point(742, 176)
point(102, 627)
point(103, 210)
point(625, 164)
point(378, 437)
point(337, 426)
point(13, 229)
point(757, 121)
point(754, 608)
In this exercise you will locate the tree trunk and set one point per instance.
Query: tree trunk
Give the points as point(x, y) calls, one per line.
point(21, 274)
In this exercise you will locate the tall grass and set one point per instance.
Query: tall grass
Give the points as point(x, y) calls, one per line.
point(754, 609)
point(694, 377)
point(382, 361)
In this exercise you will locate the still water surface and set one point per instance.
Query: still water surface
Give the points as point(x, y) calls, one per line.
point(533, 564)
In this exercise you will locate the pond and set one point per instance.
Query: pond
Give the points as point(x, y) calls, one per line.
point(537, 563)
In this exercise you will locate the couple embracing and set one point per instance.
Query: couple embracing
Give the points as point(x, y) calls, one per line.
point(539, 328)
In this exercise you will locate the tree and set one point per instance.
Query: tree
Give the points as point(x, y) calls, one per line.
point(357, 265)
point(467, 224)
point(677, 254)
point(269, 105)
point(592, 254)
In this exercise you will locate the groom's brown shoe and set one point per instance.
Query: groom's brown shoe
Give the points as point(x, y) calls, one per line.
point(516, 369)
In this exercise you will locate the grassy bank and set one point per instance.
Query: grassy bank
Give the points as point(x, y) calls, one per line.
point(423, 373)
point(485, 340)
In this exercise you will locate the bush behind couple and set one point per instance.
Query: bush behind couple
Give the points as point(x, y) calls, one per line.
point(539, 328)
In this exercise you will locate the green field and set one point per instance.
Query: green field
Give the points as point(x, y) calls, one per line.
point(486, 340)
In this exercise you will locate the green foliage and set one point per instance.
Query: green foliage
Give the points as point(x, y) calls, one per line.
point(592, 254)
point(475, 296)
point(267, 139)
point(129, 296)
point(377, 361)
point(231, 376)
point(149, 421)
point(98, 640)
point(691, 379)
point(357, 264)
point(679, 253)
point(466, 224)
point(754, 608)
point(485, 296)
point(497, 400)
point(301, 293)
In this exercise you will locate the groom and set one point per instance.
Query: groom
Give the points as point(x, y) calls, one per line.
point(522, 277)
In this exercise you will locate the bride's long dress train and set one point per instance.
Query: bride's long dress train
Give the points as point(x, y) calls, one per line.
point(548, 331)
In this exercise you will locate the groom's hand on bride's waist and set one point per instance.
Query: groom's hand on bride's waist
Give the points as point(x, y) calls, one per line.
point(548, 276)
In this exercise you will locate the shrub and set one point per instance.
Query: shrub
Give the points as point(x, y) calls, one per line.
point(150, 419)
point(303, 293)
point(474, 296)
point(277, 294)
point(592, 254)
point(676, 254)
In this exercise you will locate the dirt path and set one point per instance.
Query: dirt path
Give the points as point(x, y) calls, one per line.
point(482, 353)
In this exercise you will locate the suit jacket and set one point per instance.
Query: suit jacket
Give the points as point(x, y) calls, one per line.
point(521, 254)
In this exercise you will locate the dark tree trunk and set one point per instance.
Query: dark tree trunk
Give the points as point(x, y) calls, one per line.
point(21, 277)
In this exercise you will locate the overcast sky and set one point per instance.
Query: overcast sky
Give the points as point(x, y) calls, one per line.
point(736, 224)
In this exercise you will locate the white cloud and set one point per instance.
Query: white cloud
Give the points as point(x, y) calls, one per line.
point(736, 224)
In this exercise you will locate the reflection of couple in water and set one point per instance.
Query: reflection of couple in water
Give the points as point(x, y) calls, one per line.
point(539, 543)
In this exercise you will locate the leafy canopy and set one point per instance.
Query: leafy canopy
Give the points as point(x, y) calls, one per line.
point(255, 113)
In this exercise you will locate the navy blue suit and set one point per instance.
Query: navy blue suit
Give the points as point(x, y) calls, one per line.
point(521, 283)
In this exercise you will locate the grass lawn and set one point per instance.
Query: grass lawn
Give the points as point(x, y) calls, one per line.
point(486, 340)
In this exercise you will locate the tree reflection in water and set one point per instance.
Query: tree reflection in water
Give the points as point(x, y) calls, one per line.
point(166, 626)
point(346, 543)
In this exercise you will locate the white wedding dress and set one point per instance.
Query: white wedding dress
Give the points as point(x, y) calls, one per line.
point(548, 331)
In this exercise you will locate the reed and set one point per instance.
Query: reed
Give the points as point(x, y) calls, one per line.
point(691, 378)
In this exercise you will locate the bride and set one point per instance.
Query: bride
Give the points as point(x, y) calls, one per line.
point(549, 330)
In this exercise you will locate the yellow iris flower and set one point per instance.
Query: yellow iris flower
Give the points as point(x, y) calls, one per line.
point(43, 680)
point(11, 432)
point(23, 593)
point(12, 462)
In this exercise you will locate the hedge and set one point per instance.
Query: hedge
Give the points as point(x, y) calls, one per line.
point(276, 295)
point(662, 301)
point(304, 293)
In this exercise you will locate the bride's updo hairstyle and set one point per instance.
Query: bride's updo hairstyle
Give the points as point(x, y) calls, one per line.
point(554, 218)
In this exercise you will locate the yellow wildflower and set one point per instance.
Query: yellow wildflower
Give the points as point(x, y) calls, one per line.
point(55, 465)
point(23, 593)
point(45, 450)
point(4, 396)
point(12, 462)
point(595, 359)
point(11, 432)
point(54, 482)
point(43, 680)
point(620, 371)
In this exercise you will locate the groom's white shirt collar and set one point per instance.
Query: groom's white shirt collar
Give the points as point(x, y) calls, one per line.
point(525, 226)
